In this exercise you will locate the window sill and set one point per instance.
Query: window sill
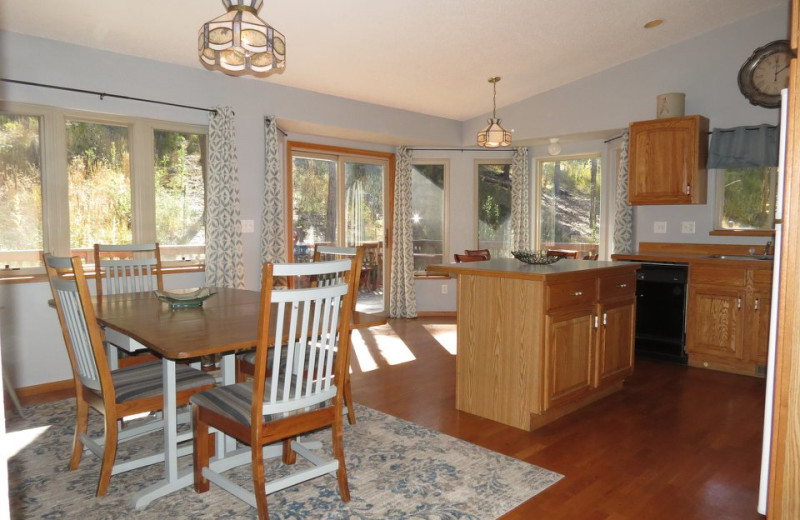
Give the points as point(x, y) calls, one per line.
point(36, 274)
point(743, 232)
point(425, 276)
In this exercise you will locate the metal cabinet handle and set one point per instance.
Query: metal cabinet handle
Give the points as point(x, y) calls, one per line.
point(739, 303)
point(756, 304)
point(577, 293)
point(605, 319)
point(622, 285)
point(595, 321)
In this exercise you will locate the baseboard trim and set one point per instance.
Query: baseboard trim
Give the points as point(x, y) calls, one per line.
point(436, 314)
point(46, 392)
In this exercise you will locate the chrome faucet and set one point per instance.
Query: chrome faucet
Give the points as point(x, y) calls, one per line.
point(767, 247)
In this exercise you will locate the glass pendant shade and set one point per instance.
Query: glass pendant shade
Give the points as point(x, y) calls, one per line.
point(494, 135)
point(239, 41)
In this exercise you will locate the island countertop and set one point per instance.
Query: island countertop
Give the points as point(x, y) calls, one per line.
point(513, 268)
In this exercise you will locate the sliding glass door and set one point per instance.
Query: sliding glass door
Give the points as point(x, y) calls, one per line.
point(341, 199)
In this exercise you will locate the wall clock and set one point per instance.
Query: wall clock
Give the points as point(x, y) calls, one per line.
point(765, 73)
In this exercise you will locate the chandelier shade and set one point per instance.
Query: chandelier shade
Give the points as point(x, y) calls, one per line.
point(239, 41)
point(494, 135)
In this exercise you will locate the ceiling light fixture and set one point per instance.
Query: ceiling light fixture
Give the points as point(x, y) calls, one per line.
point(554, 148)
point(494, 135)
point(239, 41)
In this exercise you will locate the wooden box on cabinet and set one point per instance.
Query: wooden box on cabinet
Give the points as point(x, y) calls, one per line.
point(668, 161)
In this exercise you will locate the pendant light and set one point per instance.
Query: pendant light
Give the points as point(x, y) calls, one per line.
point(494, 135)
point(239, 41)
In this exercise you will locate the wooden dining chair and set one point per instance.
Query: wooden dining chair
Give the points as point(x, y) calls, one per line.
point(245, 362)
point(125, 268)
point(291, 400)
point(113, 393)
point(485, 253)
point(563, 253)
point(468, 258)
point(591, 255)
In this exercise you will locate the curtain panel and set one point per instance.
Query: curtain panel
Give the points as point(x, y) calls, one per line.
point(224, 248)
point(403, 300)
point(273, 212)
point(520, 201)
point(623, 218)
point(743, 147)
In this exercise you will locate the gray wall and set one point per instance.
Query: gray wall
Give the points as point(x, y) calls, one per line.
point(704, 68)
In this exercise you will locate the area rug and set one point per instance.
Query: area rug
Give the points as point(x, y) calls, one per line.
point(396, 469)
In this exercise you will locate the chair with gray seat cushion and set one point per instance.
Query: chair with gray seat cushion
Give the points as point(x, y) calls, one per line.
point(301, 393)
point(113, 393)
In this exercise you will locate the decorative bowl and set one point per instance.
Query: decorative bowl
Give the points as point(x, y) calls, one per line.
point(185, 298)
point(535, 257)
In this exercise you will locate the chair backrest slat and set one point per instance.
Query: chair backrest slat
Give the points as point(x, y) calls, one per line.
point(309, 326)
point(78, 321)
point(131, 268)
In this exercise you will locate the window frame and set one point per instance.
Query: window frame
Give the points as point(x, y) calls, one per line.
point(719, 204)
point(55, 189)
point(477, 163)
point(445, 208)
point(536, 194)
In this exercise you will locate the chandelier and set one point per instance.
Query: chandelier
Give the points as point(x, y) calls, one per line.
point(239, 41)
point(494, 135)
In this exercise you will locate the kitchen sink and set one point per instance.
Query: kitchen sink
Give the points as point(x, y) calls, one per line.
point(743, 257)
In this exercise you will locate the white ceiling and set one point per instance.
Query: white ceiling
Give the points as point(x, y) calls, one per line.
point(427, 56)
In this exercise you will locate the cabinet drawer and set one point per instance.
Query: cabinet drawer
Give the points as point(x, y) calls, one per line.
point(762, 276)
point(715, 275)
point(564, 294)
point(615, 286)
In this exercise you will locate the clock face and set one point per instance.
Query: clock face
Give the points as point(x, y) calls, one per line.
point(765, 73)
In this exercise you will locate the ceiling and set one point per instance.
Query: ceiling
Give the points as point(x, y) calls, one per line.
point(432, 57)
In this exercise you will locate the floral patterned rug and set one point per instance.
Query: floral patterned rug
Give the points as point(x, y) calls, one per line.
point(396, 470)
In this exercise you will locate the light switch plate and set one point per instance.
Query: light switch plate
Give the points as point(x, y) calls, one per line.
point(687, 227)
point(659, 227)
point(248, 226)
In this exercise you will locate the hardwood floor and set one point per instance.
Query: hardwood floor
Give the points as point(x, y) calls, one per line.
point(676, 442)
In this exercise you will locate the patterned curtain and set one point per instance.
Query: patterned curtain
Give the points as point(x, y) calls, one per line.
point(623, 219)
point(224, 264)
point(520, 201)
point(403, 302)
point(273, 230)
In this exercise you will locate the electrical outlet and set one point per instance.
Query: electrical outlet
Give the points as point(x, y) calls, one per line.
point(248, 226)
point(687, 227)
point(659, 227)
point(444, 288)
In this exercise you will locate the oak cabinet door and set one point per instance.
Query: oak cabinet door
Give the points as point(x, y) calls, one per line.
point(715, 323)
point(615, 341)
point(569, 355)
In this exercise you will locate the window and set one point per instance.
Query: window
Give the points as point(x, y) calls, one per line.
point(339, 196)
point(746, 198)
point(428, 208)
point(72, 179)
point(569, 203)
point(180, 159)
point(494, 207)
point(20, 190)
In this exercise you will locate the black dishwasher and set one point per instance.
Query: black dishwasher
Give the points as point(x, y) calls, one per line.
point(661, 311)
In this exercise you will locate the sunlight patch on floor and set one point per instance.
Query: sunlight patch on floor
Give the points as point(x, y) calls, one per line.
point(15, 441)
point(365, 360)
point(445, 335)
point(393, 349)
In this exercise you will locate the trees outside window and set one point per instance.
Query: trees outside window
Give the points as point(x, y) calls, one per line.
point(428, 208)
point(746, 198)
point(494, 207)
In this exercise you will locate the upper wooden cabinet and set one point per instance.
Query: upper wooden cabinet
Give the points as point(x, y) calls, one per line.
point(668, 161)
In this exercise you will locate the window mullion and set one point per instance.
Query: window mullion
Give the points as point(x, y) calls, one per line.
point(143, 197)
point(55, 190)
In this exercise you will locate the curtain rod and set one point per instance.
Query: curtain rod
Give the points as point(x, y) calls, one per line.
point(105, 94)
point(276, 126)
point(463, 149)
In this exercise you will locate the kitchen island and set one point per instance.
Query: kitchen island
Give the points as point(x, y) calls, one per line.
point(536, 342)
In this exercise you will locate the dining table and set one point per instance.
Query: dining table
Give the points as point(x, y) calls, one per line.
point(227, 322)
